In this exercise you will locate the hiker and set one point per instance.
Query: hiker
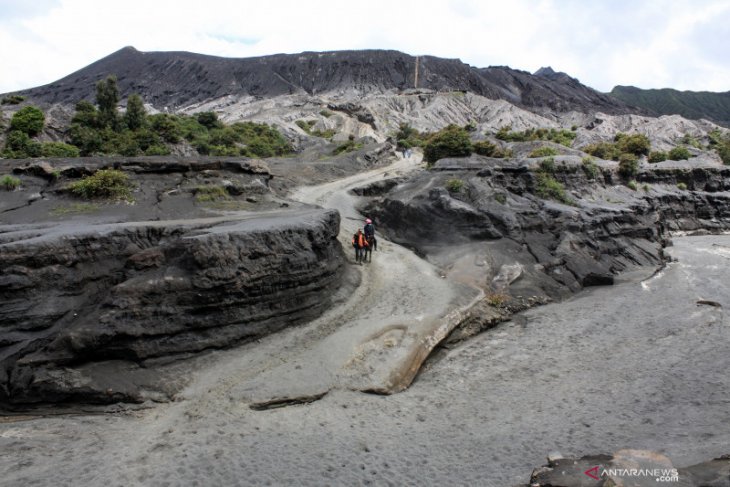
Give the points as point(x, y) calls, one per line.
point(359, 243)
point(370, 234)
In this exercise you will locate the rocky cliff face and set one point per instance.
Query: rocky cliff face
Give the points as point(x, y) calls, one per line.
point(180, 79)
point(99, 299)
point(558, 248)
point(76, 294)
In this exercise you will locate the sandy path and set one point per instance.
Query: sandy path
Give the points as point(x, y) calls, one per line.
point(382, 334)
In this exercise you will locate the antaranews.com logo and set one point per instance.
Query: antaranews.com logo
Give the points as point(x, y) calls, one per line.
point(659, 474)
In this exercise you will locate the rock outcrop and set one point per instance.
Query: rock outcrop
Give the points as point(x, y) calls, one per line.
point(95, 294)
point(601, 229)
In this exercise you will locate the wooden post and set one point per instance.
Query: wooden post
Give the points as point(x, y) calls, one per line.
point(415, 82)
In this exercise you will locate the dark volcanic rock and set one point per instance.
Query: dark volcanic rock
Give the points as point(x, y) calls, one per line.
point(177, 79)
point(609, 230)
point(75, 298)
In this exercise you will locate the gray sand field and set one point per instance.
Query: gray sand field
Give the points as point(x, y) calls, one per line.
point(638, 365)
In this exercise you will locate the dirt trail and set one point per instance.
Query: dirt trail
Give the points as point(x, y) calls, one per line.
point(382, 334)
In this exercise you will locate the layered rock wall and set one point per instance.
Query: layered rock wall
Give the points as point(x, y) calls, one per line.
point(73, 294)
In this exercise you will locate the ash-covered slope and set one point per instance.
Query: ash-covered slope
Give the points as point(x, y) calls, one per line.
point(178, 79)
point(690, 104)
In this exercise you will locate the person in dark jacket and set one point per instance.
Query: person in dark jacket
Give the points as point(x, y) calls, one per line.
point(370, 234)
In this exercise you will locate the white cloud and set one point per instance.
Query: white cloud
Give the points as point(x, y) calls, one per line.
point(648, 44)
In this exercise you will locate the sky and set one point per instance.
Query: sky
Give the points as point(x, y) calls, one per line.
point(681, 44)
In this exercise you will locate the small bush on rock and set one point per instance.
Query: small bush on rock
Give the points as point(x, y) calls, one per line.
point(451, 141)
point(9, 183)
point(454, 185)
point(28, 120)
point(679, 153)
point(628, 165)
point(657, 156)
point(105, 184)
point(543, 152)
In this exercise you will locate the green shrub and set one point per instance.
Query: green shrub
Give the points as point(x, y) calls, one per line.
point(549, 188)
point(548, 165)
point(690, 141)
point(105, 183)
point(28, 120)
point(19, 146)
point(209, 120)
point(501, 198)
point(107, 99)
point(307, 126)
point(500, 153)
point(87, 139)
point(497, 300)
point(207, 194)
point(86, 115)
point(724, 152)
point(681, 186)
point(678, 153)
point(408, 137)
point(454, 185)
point(632, 185)
point(12, 99)
point(628, 165)
point(136, 116)
point(544, 151)
point(484, 148)
point(646, 188)
point(9, 183)
point(657, 156)
point(157, 150)
point(451, 141)
point(348, 146)
point(326, 113)
point(590, 168)
point(559, 136)
point(603, 150)
point(166, 126)
point(58, 149)
point(637, 144)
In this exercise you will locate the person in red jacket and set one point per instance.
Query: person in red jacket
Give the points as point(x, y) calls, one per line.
point(359, 243)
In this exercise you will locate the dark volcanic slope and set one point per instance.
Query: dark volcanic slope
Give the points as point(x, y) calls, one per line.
point(689, 104)
point(176, 79)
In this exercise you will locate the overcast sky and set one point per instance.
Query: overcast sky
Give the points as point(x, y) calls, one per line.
point(651, 44)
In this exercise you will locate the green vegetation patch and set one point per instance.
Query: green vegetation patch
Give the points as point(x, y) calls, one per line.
point(454, 185)
point(9, 183)
point(657, 156)
point(29, 120)
point(628, 165)
point(544, 151)
point(590, 168)
point(549, 188)
point(348, 146)
point(679, 153)
point(209, 194)
point(308, 127)
point(12, 100)
point(634, 144)
point(74, 208)
point(103, 184)
point(559, 136)
point(451, 141)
